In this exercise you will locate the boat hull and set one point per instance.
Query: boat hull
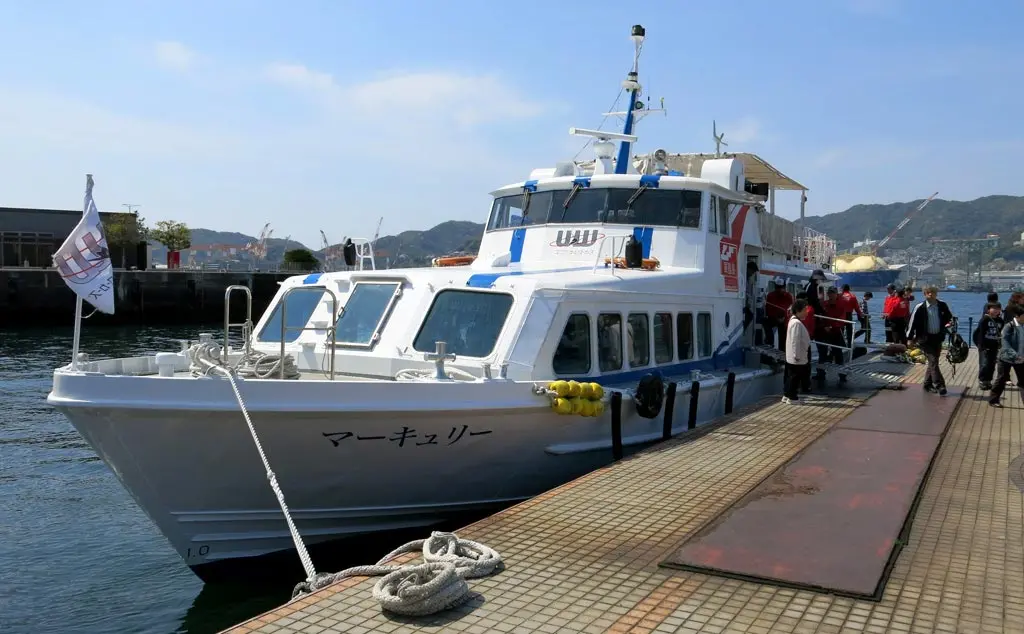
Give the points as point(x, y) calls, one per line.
point(198, 476)
point(869, 280)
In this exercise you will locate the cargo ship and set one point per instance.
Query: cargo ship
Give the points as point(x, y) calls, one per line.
point(865, 271)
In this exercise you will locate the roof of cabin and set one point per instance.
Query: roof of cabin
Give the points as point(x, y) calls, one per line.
point(757, 169)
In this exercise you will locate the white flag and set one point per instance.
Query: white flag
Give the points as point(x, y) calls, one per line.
point(84, 258)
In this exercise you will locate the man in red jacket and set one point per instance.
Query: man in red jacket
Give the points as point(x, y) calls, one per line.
point(776, 311)
point(850, 304)
point(832, 333)
point(887, 306)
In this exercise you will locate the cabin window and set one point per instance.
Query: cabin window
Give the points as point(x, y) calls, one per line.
point(713, 214)
point(300, 306)
point(639, 331)
point(528, 208)
point(468, 321)
point(588, 205)
point(689, 217)
point(723, 217)
point(704, 334)
point(609, 342)
point(572, 356)
point(365, 313)
point(684, 329)
point(663, 338)
point(662, 207)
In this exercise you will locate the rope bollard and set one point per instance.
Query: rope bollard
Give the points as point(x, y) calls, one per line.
point(691, 422)
point(670, 405)
point(730, 386)
point(617, 425)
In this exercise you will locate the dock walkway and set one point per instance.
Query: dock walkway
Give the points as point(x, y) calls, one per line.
point(586, 557)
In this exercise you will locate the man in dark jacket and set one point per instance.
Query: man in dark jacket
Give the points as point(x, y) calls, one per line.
point(928, 323)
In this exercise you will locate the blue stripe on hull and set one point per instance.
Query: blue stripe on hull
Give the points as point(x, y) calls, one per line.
point(733, 357)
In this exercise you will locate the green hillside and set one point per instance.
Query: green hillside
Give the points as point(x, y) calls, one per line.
point(942, 219)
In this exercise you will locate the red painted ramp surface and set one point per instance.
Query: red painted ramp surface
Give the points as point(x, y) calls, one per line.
point(830, 518)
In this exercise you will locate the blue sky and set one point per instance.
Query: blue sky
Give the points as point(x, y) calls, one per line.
point(330, 114)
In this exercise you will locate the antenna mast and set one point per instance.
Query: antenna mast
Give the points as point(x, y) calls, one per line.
point(632, 86)
point(718, 139)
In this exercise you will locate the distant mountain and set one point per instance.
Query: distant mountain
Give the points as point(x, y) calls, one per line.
point(409, 248)
point(942, 219)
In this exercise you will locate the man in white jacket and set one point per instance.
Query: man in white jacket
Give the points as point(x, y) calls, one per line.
point(798, 348)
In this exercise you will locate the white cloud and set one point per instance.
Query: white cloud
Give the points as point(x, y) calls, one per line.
point(443, 97)
point(829, 157)
point(744, 130)
point(174, 56)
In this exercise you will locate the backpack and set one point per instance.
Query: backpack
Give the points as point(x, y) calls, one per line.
point(958, 348)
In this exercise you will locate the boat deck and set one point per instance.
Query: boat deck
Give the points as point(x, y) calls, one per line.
point(592, 555)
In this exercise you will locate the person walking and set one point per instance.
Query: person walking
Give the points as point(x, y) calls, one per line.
point(888, 304)
point(988, 336)
point(798, 353)
point(928, 324)
point(1011, 354)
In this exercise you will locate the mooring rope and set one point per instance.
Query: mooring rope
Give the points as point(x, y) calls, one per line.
point(413, 590)
point(420, 589)
point(307, 562)
point(204, 357)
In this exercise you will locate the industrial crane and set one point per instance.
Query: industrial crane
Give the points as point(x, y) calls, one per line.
point(903, 223)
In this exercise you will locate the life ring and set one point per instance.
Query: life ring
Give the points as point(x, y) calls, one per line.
point(650, 394)
point(647, 264)
point(454, 260)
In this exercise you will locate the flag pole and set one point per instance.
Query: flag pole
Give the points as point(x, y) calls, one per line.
point(78, 332)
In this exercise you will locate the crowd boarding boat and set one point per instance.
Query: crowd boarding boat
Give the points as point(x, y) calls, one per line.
point(411, 395)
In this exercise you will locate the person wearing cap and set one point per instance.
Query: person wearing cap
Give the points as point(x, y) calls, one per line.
point(776, 310)
point(865, 324)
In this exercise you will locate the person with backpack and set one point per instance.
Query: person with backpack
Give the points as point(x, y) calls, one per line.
point(928, 324)
point(1011, 354)
point(988, 337)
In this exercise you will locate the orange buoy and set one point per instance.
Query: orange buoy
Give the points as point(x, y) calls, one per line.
point(454, 260)
point(647, 264)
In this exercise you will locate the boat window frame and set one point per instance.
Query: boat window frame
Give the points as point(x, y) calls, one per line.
point(381, 321)
point(597, 324)
point(631, 336)
point(475, 291)
point(589, 347)
point(275, 310)
point(692, 349)
point(670, 336)
point(699, 340)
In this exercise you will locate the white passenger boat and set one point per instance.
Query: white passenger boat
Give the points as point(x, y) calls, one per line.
point(412, 395)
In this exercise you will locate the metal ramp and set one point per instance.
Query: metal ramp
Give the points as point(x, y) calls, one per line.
point(868, 371)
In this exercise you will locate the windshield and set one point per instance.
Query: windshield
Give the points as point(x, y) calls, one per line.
point(468, 321)
point(301, 304)
point(365, 312)
point(637, 206)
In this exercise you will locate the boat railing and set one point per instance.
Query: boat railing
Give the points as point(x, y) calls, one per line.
point(246, 325)
point(614, 250)
point(814, 247)
point(285, 327)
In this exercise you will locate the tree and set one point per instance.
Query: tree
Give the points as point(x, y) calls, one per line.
point(124, 231)
point(302, 257)
point(173, 235)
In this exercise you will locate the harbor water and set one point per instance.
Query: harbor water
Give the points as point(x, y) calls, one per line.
point(77, 554)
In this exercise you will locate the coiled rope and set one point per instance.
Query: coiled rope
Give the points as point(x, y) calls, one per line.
point(204, 357)
point(420, 589)
point(413, 590)
point(423, 374)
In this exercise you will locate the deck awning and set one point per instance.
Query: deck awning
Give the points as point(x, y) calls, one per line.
point(756, 168)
